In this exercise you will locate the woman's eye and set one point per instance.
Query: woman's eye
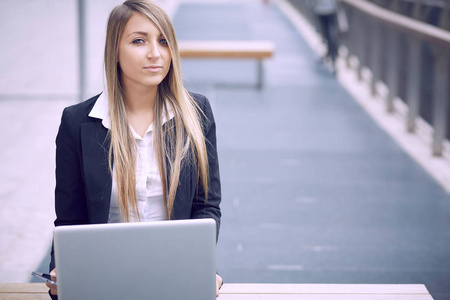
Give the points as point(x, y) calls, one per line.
point(163, 41)
point(138, 41)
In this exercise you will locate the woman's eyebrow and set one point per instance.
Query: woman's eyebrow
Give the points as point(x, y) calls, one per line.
point(139, 33)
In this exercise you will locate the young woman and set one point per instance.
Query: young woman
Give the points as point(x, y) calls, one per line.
point(145, 149)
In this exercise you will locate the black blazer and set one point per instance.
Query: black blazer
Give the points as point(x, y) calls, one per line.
point(83, 179)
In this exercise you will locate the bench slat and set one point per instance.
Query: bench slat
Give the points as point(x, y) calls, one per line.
point(23, 288)
point(226, 49)
point(378, 289)
point(321, 297)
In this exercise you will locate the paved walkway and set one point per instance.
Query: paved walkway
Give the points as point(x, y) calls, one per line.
point(313, 189)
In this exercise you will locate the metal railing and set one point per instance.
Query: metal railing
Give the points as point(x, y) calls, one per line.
point(434, 12)
point(409, 56)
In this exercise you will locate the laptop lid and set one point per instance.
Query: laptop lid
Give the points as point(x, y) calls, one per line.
point(148, 260)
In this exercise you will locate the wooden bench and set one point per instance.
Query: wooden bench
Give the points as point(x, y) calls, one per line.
point(243, 291)
point(258, 50)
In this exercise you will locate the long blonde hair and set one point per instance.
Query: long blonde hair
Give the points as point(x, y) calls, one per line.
point(181, 140)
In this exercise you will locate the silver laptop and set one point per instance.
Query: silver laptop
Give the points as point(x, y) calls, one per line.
point(149, 260)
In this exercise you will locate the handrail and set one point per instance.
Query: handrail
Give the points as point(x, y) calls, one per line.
point(418, 33)
point(433, 3)
point(410, 57)
point(420, 29)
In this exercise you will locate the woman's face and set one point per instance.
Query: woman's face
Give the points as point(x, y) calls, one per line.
point(144, 56)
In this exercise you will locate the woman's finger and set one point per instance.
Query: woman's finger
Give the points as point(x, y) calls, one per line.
point(53, 288)
point(219, 283)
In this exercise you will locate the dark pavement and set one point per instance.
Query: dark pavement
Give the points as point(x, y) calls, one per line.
point(313, 190)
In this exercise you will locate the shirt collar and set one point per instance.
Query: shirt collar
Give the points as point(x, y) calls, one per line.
point(101, 111)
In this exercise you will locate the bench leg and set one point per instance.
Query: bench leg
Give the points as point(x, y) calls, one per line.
point(260, 74)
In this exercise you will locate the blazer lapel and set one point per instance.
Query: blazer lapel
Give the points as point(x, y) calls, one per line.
point(95, 146)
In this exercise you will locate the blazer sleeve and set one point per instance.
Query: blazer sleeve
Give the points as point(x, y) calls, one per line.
point(208, 207)
point(70, 197)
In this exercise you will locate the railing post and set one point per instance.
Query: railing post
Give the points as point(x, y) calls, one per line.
point(375, 57)
point(443, 18)
point(440, 101)
point(392, 68)
point(350, 40)
point(413, 95)
point(362, 40)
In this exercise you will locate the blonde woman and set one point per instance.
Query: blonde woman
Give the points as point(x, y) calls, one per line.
point(145, 149)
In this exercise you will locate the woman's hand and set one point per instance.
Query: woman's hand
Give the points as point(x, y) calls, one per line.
point(219, 283)
point(53, 288)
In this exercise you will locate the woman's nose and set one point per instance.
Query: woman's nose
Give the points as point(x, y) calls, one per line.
point(153, 51)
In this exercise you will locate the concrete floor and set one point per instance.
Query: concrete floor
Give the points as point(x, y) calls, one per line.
point(313, 189)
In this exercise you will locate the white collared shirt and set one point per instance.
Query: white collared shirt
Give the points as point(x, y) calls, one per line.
point(149, 192)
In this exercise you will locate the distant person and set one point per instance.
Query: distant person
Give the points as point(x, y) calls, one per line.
point(326, 11)
point(144, 149)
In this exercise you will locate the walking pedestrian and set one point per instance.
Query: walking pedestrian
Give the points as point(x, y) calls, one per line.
point(326, 11)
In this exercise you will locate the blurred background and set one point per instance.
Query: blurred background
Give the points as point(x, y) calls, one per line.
point(334, 171)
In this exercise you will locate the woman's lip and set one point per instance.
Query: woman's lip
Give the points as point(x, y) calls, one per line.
point(153, 68)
